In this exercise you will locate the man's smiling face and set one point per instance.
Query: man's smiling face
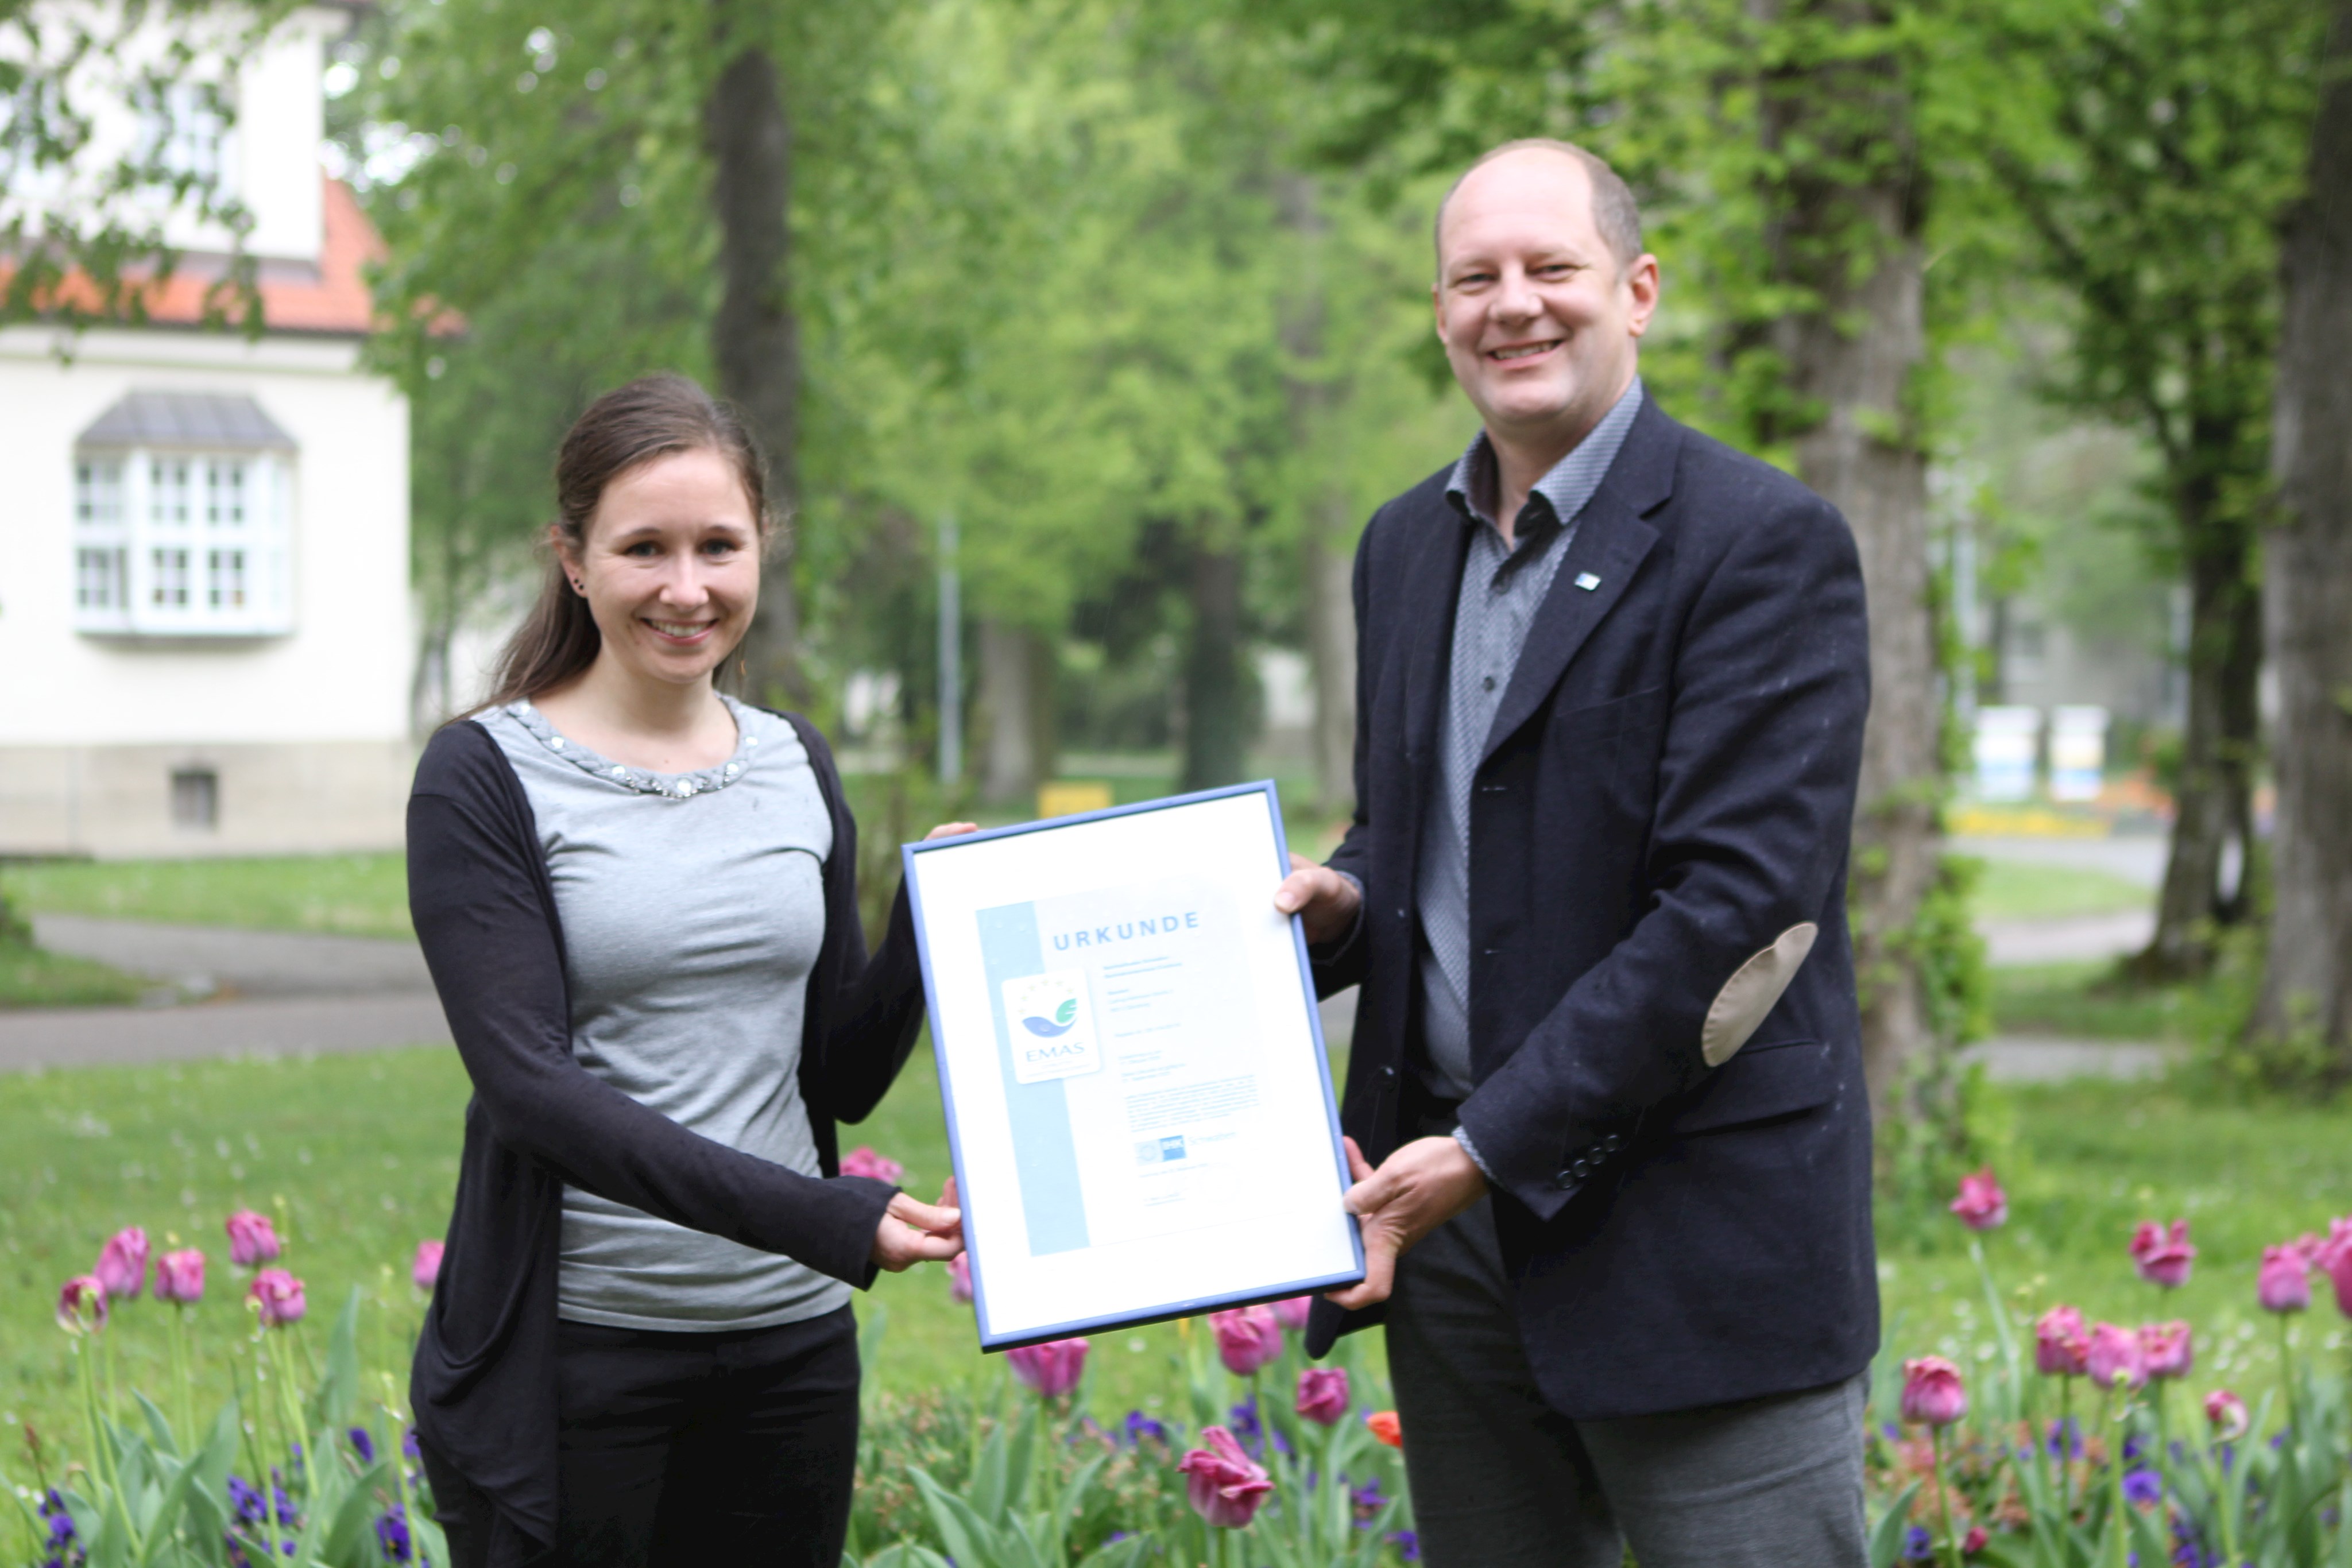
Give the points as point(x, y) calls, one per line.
point(1538, 318)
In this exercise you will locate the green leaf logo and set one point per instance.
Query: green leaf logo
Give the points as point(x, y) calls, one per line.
point(1067, 1012)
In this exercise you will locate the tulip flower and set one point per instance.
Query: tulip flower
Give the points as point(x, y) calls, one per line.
point(2163, 1257)
point(81, 1304)
point(2115, 1359)
point(1982, 1206)
point(180, 1276)
point(862, 1161)
point(2334, 1259)
point(1322, 1395)
point(123, 1264)
point(1975, 1541)
point(2164, 1349)
point(279, 1296)
point(1291, 1313)
point(1052, 1368)
point(2062, 1344)
point(1932, 1392)
point(2227, 1412)
point(1247, 1338)
point(1221, 1482)
point(960, 1279)
point(252, 1239)
point(2285, 1283)
point(1385, 1427)
point(426, 1267)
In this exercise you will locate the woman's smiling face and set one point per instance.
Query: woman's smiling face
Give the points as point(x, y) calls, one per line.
point(670, 565)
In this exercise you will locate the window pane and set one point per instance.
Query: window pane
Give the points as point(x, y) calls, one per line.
point(226, 568)
point(225, 493)
point(168, 483)
point(98, 492)
point(98, 578)
point(170, 586)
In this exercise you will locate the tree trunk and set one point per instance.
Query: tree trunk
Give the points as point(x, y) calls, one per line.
point(2307, 988)
point(754, 336)
point(1216, 719)
point(1016, 690)
point(1850, 353)
point(1332, 646)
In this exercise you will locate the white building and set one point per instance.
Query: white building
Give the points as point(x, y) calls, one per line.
point(204, 617)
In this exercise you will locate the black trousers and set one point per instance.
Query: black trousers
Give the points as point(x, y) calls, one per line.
point(690, 1448)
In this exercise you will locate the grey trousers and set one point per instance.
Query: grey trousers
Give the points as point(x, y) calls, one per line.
point(1501, 1481)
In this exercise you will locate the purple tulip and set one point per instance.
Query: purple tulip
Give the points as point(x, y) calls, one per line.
point(1291, 1311)
point(1223, 1485)
point(426, 1267)
point(2115, 1358)
point(123, 1264)
point(2163, 1256)
point(1323, 1395)
point(81, 1304)
point(1932, 1392)
point(2285, 1283)
point(2062, 1344)
point(960, 1279)
point(180, 1276)
point(280, 1295)
point(1981, 1204)
point(2165, 1349)
point(862, 1161)
point(1052, 1368)
point(252, 1239)
point(1247, 1338)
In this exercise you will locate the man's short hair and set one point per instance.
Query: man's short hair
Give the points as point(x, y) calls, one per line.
point(1614, 212)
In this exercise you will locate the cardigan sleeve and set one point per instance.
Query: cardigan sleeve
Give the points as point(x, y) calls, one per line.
point(476, 897)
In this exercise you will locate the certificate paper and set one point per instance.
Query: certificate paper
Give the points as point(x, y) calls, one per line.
point(1132, 1066)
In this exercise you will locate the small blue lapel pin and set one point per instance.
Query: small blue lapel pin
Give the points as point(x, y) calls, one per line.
point(1587, 581)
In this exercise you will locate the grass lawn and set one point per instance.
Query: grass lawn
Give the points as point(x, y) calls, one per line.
point(2075, 1000)
point(32, 979)
point(357, 1155)
point(2020, 890)
point(356, 896)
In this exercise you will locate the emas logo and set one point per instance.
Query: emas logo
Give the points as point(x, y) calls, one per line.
point(1050, 1025)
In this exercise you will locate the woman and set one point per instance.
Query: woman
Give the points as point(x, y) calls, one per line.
point(638, 899)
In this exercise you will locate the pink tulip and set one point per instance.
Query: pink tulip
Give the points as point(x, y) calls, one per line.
point(252, 1239)
point(1291, 1311)
point(862, 1161)
point(1247, 1338)
point(123, 1264)
point(1223, 1485)
point(2227, 1412)
point(1981, 1204)
point(2334, 1259)
point(1323, 1395)
point(81, 1305)
point(960, 1279)
point(426, 1268)
point(2117, 1358)
point(2285, 1283)
point(279, 1294)
point(2062, 1344)
point(2163, 1257)
point(180, 1276)
point(2165, 1349)
point(1932, 1392)
point(1052, 1368)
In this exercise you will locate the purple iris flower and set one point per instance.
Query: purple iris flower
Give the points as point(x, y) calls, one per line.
point(2143, 1486)
point(1408, 1544)
point(408, 1446)
point(391, 1533)
point(1139, 1427)
point(245, 1502)
point(363, 1444)
point(1243, 1419)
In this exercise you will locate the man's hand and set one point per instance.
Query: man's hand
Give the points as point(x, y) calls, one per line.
point(913, 1231)
point(1421, 1186)
point(1322, 898)
point(950, 830)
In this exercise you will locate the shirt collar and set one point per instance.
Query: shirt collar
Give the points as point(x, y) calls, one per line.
point(1570, 482)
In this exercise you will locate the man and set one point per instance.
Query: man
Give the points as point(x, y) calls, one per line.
point(1605, 1103)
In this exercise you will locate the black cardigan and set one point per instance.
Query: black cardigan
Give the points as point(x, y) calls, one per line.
point(484, 1383)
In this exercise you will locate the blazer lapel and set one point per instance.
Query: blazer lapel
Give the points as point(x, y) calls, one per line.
point(1430, 591)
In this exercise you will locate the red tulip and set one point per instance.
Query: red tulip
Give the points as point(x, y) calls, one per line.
point(2062, 1344)
point(1052, 1368)
point(1981, 1204)
point(2163, 1257)
point(1385, 1427)
point(862, 1161)
point(2115, 1358)
point(2164, 1349)
point(123, 1264)
point(2285, 1283)
point(1291, 1313)
point(180, 1276)
point(280, 1295)
point(1975, 1541)
point(1222, 1483)
point(960, 1279)
point(1932, 1392)
point(426, 1268)
point(81, 1305)
point(2227, 1412)
point(252, 1239)
point(1247, 1338)
point(1322, 1395)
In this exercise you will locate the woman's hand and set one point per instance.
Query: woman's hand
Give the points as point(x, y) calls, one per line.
point(913, 1231)
point(950, 830)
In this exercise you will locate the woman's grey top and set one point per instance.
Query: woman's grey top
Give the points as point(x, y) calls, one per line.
point(693, 909)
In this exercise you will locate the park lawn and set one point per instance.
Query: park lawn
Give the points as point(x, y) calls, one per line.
point(357, 1155)
point(32, 979)
point(2080, 1000)
point(2022, 890)
point(353, 895)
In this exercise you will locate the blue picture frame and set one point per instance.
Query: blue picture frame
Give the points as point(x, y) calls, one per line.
point(1165, 1310)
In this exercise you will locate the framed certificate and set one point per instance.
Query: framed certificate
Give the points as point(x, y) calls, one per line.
point(1132, 1066)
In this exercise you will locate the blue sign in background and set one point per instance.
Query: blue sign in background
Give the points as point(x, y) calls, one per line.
point(1043, 1151)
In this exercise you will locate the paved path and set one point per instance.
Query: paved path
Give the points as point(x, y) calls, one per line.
point(2078, 937)
point(203, 958)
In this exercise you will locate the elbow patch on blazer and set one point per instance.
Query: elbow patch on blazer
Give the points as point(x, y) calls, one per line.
point(1740, 1009)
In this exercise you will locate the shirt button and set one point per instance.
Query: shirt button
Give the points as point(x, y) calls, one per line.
point(1488, 684)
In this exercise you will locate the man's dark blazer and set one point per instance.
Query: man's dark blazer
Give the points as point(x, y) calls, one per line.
point(1658, 829)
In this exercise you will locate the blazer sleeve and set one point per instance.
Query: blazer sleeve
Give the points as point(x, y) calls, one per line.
point(475, 894)
point(1756, 770)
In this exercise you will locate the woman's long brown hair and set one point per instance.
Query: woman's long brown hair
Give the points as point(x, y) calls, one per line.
point(651, 417)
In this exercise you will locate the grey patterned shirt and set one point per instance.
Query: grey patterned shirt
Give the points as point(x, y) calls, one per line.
point(1503, 586)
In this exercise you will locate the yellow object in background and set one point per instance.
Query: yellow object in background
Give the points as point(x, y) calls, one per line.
point(1069, 797)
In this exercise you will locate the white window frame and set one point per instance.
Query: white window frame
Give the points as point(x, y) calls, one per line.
point(199, 542)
